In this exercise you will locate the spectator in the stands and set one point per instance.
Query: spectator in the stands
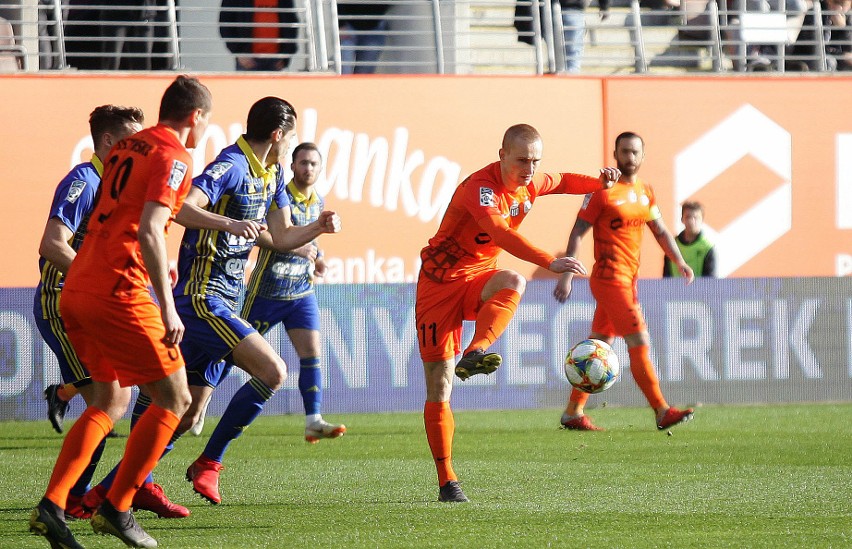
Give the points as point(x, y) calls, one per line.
point(804, 55)
point(363, 33)
point(262, 34)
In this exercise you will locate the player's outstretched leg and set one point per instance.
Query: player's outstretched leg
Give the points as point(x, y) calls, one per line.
point(48, 520)
point(121, 524)
point(477, 362)
point(56, 407)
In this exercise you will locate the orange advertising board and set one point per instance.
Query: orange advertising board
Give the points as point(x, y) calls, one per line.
point(771, 158)
point(395, 148)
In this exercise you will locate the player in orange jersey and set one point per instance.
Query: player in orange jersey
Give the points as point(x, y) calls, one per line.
point(619, 216)
point(459, 278)
point(118, 330)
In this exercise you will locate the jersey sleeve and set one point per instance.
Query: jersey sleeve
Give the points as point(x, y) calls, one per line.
point(481, 199)
point(513, 242)
point(72, 202)
point(591, 208)
point(216, 178)
point(169, 178)
point(566, 183)
point(654, 212)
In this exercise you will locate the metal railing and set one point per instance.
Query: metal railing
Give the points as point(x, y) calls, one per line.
point(414, 36)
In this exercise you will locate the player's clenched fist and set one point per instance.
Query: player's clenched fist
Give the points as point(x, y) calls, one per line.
point(609, 176)
point(329, 221)
point(567, 265)
point(246, 228)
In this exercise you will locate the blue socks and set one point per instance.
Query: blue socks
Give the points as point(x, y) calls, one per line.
point(310, 384)
point(244, 407)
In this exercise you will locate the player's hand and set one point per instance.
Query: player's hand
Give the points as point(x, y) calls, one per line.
point(247, 228)
point(686, 273)
point(308, 251)
point(609, 176)
point(562, 290)
point(174, 325)
point(320, 268)
point(567, 265)
point(329, 221)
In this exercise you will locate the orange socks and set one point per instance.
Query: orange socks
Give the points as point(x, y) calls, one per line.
point(440, 427)
point(646, 378)
point(76, 454)
point(579, 398)
point(145, 446)
point(493, 318)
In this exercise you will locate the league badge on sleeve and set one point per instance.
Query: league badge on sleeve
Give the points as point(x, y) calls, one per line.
point(75, 191)
point(217, 170)
point(177, 174)
point(486, 197)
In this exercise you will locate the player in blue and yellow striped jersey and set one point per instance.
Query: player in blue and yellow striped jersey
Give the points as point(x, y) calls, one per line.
point(73, 202)
point(281, 289)
point(244, 188)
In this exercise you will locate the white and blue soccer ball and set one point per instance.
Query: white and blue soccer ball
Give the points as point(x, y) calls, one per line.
point(592, 366)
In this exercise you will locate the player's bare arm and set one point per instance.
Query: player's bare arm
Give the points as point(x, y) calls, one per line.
point(152, 241)
point(193, 215)
point(54, 245)
point(669, 247)
point(283, 236)
point(562, 290)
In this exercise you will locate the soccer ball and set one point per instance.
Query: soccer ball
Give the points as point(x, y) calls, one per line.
point(592, 366)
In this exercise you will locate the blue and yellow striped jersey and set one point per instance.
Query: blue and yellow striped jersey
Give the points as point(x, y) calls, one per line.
point(287, 276)
point(240, 187)
point(73, 202)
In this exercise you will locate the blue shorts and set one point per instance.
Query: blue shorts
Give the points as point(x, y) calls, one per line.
point(301, 313)
point(70, 366)
point(213, 329)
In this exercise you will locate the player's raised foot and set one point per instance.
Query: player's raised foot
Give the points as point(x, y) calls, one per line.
point(323, 429)
point(196, 429)
point(204, 476)
point(74, 509)
point(477, 362)
point(94, 497)
point(48, 520)
point(150, 497)
point(579, 423)
point(672, 416)
point(56, 407)
point(121, 524)
point(451, 492)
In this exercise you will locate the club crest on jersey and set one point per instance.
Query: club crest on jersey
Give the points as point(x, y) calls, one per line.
point(514, 209)
point(486, 197)
point(177, 174)
point(217, 170)
point(75, 191)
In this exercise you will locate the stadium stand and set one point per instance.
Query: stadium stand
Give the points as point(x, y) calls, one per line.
point(431, 36)
point(11, 54)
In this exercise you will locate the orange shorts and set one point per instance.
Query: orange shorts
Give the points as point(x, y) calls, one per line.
point(439, 310)
point(119, 338)
point(618, 312)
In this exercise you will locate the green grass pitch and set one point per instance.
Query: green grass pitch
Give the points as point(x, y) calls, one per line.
point(736, 476)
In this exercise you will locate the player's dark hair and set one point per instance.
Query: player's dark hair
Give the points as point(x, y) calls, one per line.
point(692, 206)
point(267, 115)
point(306, 146)
point(112, 119)
point(183, 96)
point(629, 135)
point(520, 131)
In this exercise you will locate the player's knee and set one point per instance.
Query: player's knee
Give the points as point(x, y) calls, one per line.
point(275, 375)
point(515, 281)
